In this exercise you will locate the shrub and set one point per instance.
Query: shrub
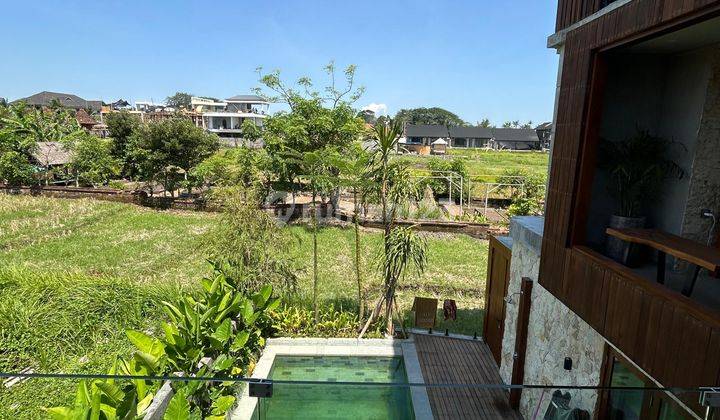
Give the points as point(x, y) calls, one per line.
point(92, 161)
point(472, 217)
point(248, 244)
point(299, 321)
point(440, 167)
point(522, 206)
point(216, 334)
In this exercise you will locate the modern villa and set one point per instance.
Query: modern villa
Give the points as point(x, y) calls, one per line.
point(420, 137)
point(640, 78)
point(225, 118)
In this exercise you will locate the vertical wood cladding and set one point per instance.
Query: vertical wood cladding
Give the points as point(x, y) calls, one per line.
point(665, 333)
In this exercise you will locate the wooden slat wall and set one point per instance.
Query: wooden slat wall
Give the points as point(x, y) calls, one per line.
point(656, 330)
point(665, 333)
point(571, 11)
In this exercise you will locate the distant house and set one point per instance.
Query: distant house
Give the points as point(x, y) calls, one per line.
point(470, 136)
point(225, 118)
point(544, 131)
point(67, 100)
point(90, 124)
point(515, 139)
point(419, 138)
point(85, 120)
point(120, 105)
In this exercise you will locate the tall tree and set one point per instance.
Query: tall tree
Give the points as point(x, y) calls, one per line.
point(485, 123)
point(317, 173)
point(92, 161)
point(162, 147)
point(431, 116)
point(368, 115)
point(355, 174)
point(401, 247)
point(317, 119)
point(179, 100)
point(121, 126)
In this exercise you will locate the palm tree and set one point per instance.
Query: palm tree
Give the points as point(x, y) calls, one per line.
point(401, 246)
point(405, 248)
point(386, 141)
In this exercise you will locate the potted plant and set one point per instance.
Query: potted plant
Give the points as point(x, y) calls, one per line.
point(636, 169)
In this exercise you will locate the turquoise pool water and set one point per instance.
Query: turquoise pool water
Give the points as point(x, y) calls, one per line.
point(328, 401)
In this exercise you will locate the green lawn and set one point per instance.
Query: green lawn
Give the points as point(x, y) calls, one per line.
point(487, 165)
point(75, 273)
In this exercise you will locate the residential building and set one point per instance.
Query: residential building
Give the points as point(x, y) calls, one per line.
point(561, 311)
point(150, 106)
point(225, 118)
point(67, 100)
point(515, 139)
point(470, 136)
point(90, 124)
point(419, 138)
point(544, 133)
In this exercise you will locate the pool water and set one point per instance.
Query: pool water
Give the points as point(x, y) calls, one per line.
point(328, 401)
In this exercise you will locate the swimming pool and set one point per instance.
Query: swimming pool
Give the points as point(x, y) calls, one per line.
point(328, 401)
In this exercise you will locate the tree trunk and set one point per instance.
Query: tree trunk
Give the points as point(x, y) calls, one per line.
point(189, 188)
point(356, 221)
point(315, 257)
point(389, 298)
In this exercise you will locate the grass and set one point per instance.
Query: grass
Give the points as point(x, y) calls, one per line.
point(487, 165)
point(456, 270)
point(74, 274)
point(70, 323)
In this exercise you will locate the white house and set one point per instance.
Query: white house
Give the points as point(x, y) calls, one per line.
point(225, 118)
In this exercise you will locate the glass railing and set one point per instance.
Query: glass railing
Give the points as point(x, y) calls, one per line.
point(342, 389)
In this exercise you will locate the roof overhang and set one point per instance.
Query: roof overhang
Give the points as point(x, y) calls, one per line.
point(557, 39)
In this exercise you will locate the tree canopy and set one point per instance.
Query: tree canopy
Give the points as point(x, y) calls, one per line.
point(179, 100)
point(431, 116)
point(121, 126)
point(317, 119)
point(92, 161)
point(160, 148)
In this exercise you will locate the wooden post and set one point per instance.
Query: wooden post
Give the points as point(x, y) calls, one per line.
point(523, 317)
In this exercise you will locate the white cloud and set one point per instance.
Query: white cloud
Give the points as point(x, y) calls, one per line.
point(378, 109)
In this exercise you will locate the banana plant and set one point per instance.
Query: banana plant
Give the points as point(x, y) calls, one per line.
point(213, 335)
point(106, 400)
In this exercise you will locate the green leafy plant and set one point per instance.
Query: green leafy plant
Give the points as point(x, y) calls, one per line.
point(637, 167)
point(215, 334)
point(108, 398)
point(298, 321)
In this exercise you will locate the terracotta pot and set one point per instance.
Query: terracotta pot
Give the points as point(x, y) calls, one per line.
point(619, 250)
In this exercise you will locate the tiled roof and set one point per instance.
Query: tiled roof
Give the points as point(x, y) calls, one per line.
point(426, 131)
point(83, 118)
point(67, 100)
point(471, 132)
point(515, 134)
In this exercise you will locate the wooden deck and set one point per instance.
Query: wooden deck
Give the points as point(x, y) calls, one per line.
point(453, 361)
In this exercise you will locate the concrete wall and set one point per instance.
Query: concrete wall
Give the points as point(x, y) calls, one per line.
point(554, 332)
point(704, 188)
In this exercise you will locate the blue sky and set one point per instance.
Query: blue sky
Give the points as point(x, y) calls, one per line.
point(476, 58)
